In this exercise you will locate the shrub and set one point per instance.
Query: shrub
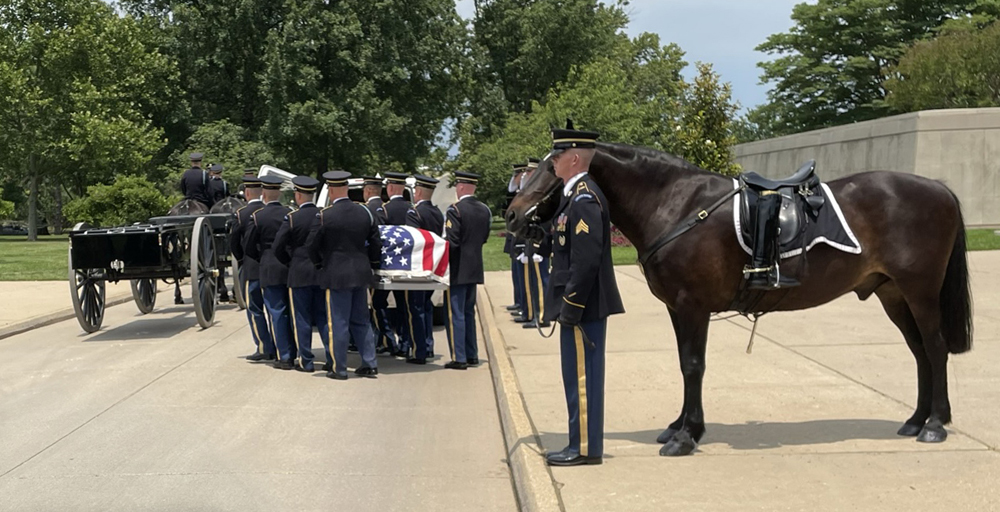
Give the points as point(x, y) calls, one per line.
point(128, 200)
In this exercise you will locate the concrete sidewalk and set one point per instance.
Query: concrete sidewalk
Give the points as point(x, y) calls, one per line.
point(28, 303)
point(154, 413)
point(807, 422)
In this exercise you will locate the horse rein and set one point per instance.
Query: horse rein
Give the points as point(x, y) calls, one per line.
point(686, 226)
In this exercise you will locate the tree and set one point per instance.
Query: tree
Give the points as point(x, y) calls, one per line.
point(830, 67)
point(959, 69)
point(128, 200)
point(76, 81)
point(705, 133)
point(355, 82)
point(6, 207)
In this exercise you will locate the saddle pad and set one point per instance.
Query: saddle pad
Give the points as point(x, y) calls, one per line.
point(829, 228)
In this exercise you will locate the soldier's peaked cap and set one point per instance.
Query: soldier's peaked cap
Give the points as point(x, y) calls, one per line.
point(196, 157)
point(271, 182)
point(397, 178)
point(336, 178)
point(570, 138)
point(466, 177)
point(372, 180)
point(425, 181)
point(305, 184)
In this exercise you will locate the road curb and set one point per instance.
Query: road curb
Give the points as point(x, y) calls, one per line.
point(52, 318)
point(533, 482)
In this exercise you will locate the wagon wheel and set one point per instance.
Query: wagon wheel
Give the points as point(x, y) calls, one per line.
point(203, 272)
point(87, 292)
point(241, 301)
point(144, 293)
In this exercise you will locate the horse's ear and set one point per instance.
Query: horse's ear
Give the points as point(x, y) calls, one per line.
point(569, 124)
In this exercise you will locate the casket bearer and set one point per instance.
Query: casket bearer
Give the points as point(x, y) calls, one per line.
point(423, 215)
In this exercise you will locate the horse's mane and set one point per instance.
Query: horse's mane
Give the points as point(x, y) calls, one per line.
point(651, 165)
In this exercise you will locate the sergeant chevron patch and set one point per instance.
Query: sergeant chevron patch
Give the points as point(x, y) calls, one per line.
point(581, 227)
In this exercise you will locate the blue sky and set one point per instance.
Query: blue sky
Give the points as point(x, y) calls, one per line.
point(721, 32)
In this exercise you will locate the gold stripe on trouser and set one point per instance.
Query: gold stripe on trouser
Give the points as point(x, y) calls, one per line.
point(295, 330)
point(270, 327)
point(374, 319)
point(581, 385)
point(451, 323)
point(409, 315)
point(541, 294)
point(527, 291)
point(253, 320)
point(329, 326)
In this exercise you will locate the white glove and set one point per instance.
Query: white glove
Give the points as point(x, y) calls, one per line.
point(537, 258)
point(522, 258)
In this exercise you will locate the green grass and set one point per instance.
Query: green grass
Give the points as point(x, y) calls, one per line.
point(983, 240)
point(44, 260)
point(495, 259)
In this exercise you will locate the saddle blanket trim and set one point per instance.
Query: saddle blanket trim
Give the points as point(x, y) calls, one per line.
point(831, 201)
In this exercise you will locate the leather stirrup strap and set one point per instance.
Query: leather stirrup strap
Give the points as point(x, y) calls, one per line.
point(687, 225)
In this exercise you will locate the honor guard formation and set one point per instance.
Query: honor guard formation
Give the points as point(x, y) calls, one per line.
point(313, 268)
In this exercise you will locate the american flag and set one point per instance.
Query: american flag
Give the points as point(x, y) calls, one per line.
point(413, 253)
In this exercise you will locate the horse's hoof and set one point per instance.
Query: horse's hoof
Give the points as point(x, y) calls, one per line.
point(681, 444)
point(909, 430)
point(932, 435)
point(666, 435)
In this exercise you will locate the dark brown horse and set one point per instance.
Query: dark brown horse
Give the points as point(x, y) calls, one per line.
point(913, 258)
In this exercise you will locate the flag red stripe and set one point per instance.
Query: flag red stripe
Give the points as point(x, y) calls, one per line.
point(428, 250)
point(442, 267)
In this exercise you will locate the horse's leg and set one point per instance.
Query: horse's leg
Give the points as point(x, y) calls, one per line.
point(691, 330)
point(674, 427)
point(895, 306)
point(926, 309)
point(177, 292)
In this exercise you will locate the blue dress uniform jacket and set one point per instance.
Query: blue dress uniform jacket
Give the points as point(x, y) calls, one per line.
point(260, 239)
point(347, 246)
point(194, 185)
point(424, 215)
point(395, 211)
point(307, 299)
point(582, 286)
point(377, 208)
point(218, 189)
point(249, 267)
point(290, 246)
point(468, 229)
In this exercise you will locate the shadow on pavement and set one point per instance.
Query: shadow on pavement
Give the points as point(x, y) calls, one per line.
point(155, 325)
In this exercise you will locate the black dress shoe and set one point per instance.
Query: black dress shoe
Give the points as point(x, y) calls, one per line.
point(417, 360)
point(352, 348)
point(284, 365)
point(473, 361)
point(367, 371)
point(570, 458)
point(521, 319)
point(516, 312)
point(256, 356)
point(327, 367)
point(513, 307)
point(530, 325)
point(455, 365)
point(383, 350)
point(336, 376)
point(401, 353)
point(304, 369)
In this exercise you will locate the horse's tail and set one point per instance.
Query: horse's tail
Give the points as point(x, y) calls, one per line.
point(956, 297)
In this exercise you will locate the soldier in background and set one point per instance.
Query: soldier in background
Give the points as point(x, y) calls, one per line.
point(347, 247)
point(307, 298)
point(423, 215)
point(395, 213)
point(273, 273)
point(218, 189)
point(250, 270)
point(194, 182)
point(536, 268)
point(467, 230)
point(381, 322)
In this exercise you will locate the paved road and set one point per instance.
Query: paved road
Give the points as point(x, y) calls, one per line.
point(153, 413)
point(807, 422)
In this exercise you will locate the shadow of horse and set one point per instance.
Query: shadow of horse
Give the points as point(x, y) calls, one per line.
point(761, 435)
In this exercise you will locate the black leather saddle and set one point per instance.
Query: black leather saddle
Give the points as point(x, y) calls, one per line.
point(800, 202)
